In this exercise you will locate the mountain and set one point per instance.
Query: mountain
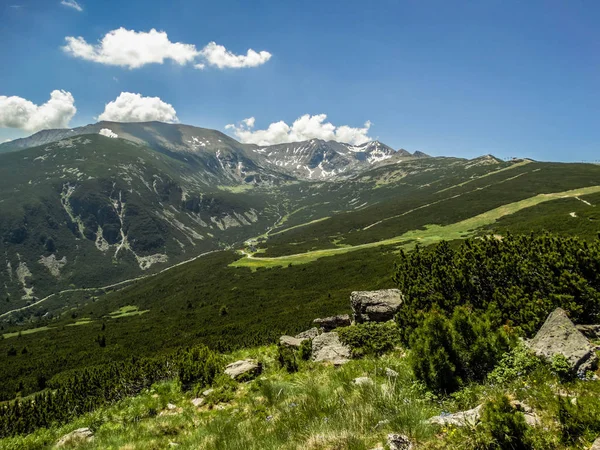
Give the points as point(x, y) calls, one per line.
point(242, 163)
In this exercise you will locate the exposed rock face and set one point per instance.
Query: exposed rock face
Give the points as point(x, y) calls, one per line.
point(459, 419)
point(308, 334)
point(399, 442)
point(296, 341)
point(244, 370)
point(375, 306)
point(331, 323)
point(78, 436)
point(596, 445)
point(558, 336)
point(327, 347)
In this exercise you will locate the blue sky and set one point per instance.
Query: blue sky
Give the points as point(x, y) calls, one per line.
point(510, 78)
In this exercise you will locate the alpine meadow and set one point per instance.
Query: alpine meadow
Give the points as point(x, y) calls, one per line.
point(278, 279)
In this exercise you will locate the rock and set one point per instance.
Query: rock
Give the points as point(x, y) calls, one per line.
point(558, 336)
point(589, 331)
point(390, 373)
point(362, 381)
point(197, 402)
point(244, 370)
point(596, 445)
point(308, 334)
point(331, 323)
point(375, 306)
point(78, 436)
point(289, 341)
point(399, 442)
point(207, 392)
point(459, 419)
point(531, 417)
point(171, 406)
point(327, 347)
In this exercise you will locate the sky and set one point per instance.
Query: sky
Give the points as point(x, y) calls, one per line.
point(460, 78)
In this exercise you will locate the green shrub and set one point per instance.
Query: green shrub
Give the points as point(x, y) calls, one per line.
point(199, 365)
point(503, 426)
point(579, 418)
point(514, 364)
point(446, 353)
point(305, 350)
point(561, 368)
point(370, 338)
point(287, 358)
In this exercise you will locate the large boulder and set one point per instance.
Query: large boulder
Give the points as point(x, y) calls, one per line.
point(308, 334)
point(331, 323)
point(558, 336)
point(296, 341)
point(375, 306)
point(76, 437)
point(596, 445)
point(327, 347)
point(244, 370)
point(589, 331)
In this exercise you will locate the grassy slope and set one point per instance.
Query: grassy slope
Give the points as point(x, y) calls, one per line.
point(317, 408)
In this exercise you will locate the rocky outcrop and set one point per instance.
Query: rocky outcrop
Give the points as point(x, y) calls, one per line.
point(558, 336)
point(399, 442)
point(459, 419)
point(589, 331)
point(375, 306)
point(244, 370)
point(327, 347)
point(78, 436)
point(331, 323)
point(296, 341)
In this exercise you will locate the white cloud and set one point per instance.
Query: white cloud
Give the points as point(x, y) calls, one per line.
point(219, 56)
point(129, 107)
point(17, 112)
point(72, 4)
point(108, 133)
point(132, 49)
point(304, 128)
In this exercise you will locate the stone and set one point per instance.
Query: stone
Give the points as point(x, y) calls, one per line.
point(171, 406)
point(244, 370)
point(289, 341)
point(198, 402)
point(308, 334)
point(363, 381)
point(375, 306)
point(78, 436)
point(327, 347)
point(531, 417)
point(459, 419)
point(558, 336)
point(331, 323)
point(390, 373)
point(596, 445)
point(207, 392)
point(399, 442)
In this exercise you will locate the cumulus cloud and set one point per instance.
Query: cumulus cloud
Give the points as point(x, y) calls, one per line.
point(219, 56)
point(304, 128)
point(17, 112)
point(129, 107)
point(72, 4)
point(108, 133)
point(133, 49)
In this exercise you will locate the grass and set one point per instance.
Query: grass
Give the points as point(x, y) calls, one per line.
point(429, 235)
point(25, 332)
point(126, 311)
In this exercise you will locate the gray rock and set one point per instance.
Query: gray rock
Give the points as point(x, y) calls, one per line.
point(375, 306)
point(363, 381)
point(207, 392)
point(308, 334)
point(391, 373)
point(78, 436)
point(245, 369)
point(459, 419)
point(558, 336)
point(197, 402)
point(399, 442)
point(596, 445)
point(531, 417)
point(327, 347)
point(331, 323)
point(289, 341)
